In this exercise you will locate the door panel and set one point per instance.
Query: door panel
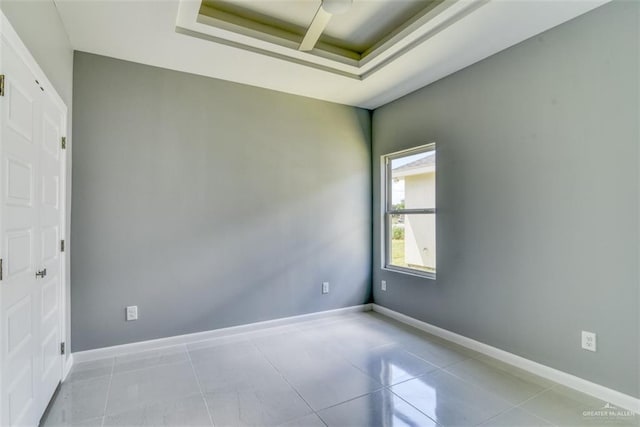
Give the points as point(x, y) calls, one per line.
point(19, 307)
point(19, 248)
point(19, 326)
point(30, 233)
point(20, 106)
point(50, 244)
point(50, 220)
point(19, 181)
point(51, 136)
point(50, 353)
point(21, 398)
point(51, 191)
point(49, 299)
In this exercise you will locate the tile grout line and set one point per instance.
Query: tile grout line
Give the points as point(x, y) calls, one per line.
point(513, 406)
point(342, 358)
point(320, 418)
point(541, 392)
point(313, 411)
point(193, 369)
point(157, 365)
point(504, 411)
point(177, 346)
point(444, 370)
point(412, 405)
point(354, 398)
point(106, 401)
point(350, 363)
point(382, 386)
point(440, 367)
point(544, 390)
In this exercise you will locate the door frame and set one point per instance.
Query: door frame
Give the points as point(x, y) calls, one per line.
point(9, 35)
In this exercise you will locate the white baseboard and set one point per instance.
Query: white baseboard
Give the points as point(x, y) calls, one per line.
point(67, 367)
point(601, 392)
point(119, 350)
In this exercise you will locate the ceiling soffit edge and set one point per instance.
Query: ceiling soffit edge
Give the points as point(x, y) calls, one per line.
point(276, 44)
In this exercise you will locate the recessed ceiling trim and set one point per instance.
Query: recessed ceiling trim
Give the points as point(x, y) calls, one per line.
point(419, 25)
point(422, 39)
point(427, 26)
point(265, 52)
point(413, 24)
point(272, 34)
point(188, 19)
point(192, 22)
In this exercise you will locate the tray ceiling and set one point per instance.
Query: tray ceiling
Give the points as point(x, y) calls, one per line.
point(366, 24)
point(354, 44)
point(378, 51)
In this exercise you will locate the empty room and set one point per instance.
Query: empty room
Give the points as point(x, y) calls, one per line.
point(340, 213)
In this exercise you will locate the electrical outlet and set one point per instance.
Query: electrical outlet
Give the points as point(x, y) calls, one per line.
point(325, 287)
point(383, 285)
point(132, 312)
point(589, 341)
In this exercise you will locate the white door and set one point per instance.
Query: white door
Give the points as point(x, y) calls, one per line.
point(48, 258)
point(30, 224)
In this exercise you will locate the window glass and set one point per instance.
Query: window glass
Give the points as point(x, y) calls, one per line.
point(410, 211)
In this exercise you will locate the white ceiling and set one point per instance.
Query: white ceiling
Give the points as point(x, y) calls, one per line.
point(145, 32)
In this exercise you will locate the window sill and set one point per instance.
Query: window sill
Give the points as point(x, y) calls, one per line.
point(410, 272)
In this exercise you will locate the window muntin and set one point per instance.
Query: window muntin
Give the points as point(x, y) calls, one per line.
point(410, 211)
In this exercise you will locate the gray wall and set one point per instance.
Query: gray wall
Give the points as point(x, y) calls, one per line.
point(210, 204)
point(537, 196)
point(40, 28)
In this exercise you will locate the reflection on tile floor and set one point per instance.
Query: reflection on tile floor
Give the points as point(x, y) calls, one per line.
point(358, 369)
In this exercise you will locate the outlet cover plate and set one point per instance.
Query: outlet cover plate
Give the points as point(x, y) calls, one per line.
point(325, 287)
point(132, 312)
point(589, 341)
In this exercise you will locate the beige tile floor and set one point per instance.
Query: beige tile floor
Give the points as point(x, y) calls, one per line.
point(359, 369)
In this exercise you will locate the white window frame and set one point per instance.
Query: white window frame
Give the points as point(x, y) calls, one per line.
point(387, 209)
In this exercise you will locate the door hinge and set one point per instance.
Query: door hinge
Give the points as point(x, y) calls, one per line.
point(61, 348)
point(1, 84)
point(61, 245)
point(64, 142)
point(0, 268)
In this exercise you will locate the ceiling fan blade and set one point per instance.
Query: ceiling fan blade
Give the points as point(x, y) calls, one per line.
point(318, 24)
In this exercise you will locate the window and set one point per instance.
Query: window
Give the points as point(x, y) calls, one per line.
point(410, 211)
